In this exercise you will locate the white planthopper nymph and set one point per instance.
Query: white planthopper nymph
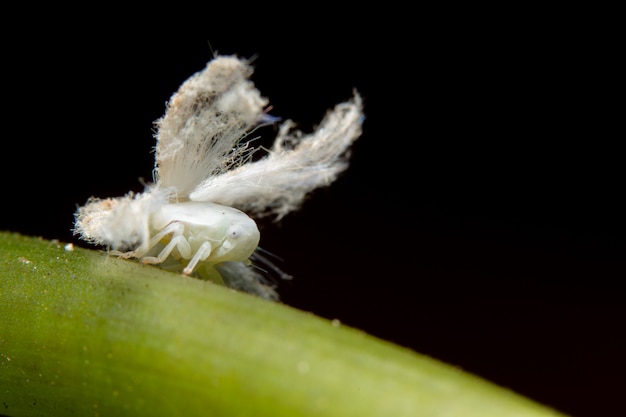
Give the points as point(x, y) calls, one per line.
point(192, 218)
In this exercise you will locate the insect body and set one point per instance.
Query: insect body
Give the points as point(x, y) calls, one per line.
point(181, 236)
point(200, 232)
point(192, 218)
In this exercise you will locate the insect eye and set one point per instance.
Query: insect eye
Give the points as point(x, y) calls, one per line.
point(235, 232)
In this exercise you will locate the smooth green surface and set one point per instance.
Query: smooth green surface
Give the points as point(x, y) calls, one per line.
point(89, 335)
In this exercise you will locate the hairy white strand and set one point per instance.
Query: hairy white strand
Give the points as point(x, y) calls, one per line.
point(240, 276)
point(199, 135)
point(296, 165)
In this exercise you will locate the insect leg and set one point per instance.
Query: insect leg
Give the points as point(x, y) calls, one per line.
point(201, 254)
point(177, 241)
point(174, 228)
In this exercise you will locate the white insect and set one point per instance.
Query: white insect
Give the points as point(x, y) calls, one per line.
point(191, 219)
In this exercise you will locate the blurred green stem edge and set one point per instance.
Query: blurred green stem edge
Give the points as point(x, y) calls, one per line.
point(86, 334)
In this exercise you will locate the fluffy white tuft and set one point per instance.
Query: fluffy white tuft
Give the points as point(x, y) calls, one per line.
point(122, 223)
point(205, 120)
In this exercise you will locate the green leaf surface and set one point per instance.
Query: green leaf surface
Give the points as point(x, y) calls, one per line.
point(86, 334)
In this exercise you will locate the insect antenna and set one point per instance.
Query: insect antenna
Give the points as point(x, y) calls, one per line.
point(263, 259)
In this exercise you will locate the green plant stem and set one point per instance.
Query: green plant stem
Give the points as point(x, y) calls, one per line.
point(85, 334)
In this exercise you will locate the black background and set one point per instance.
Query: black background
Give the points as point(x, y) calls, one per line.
point(481, 220)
